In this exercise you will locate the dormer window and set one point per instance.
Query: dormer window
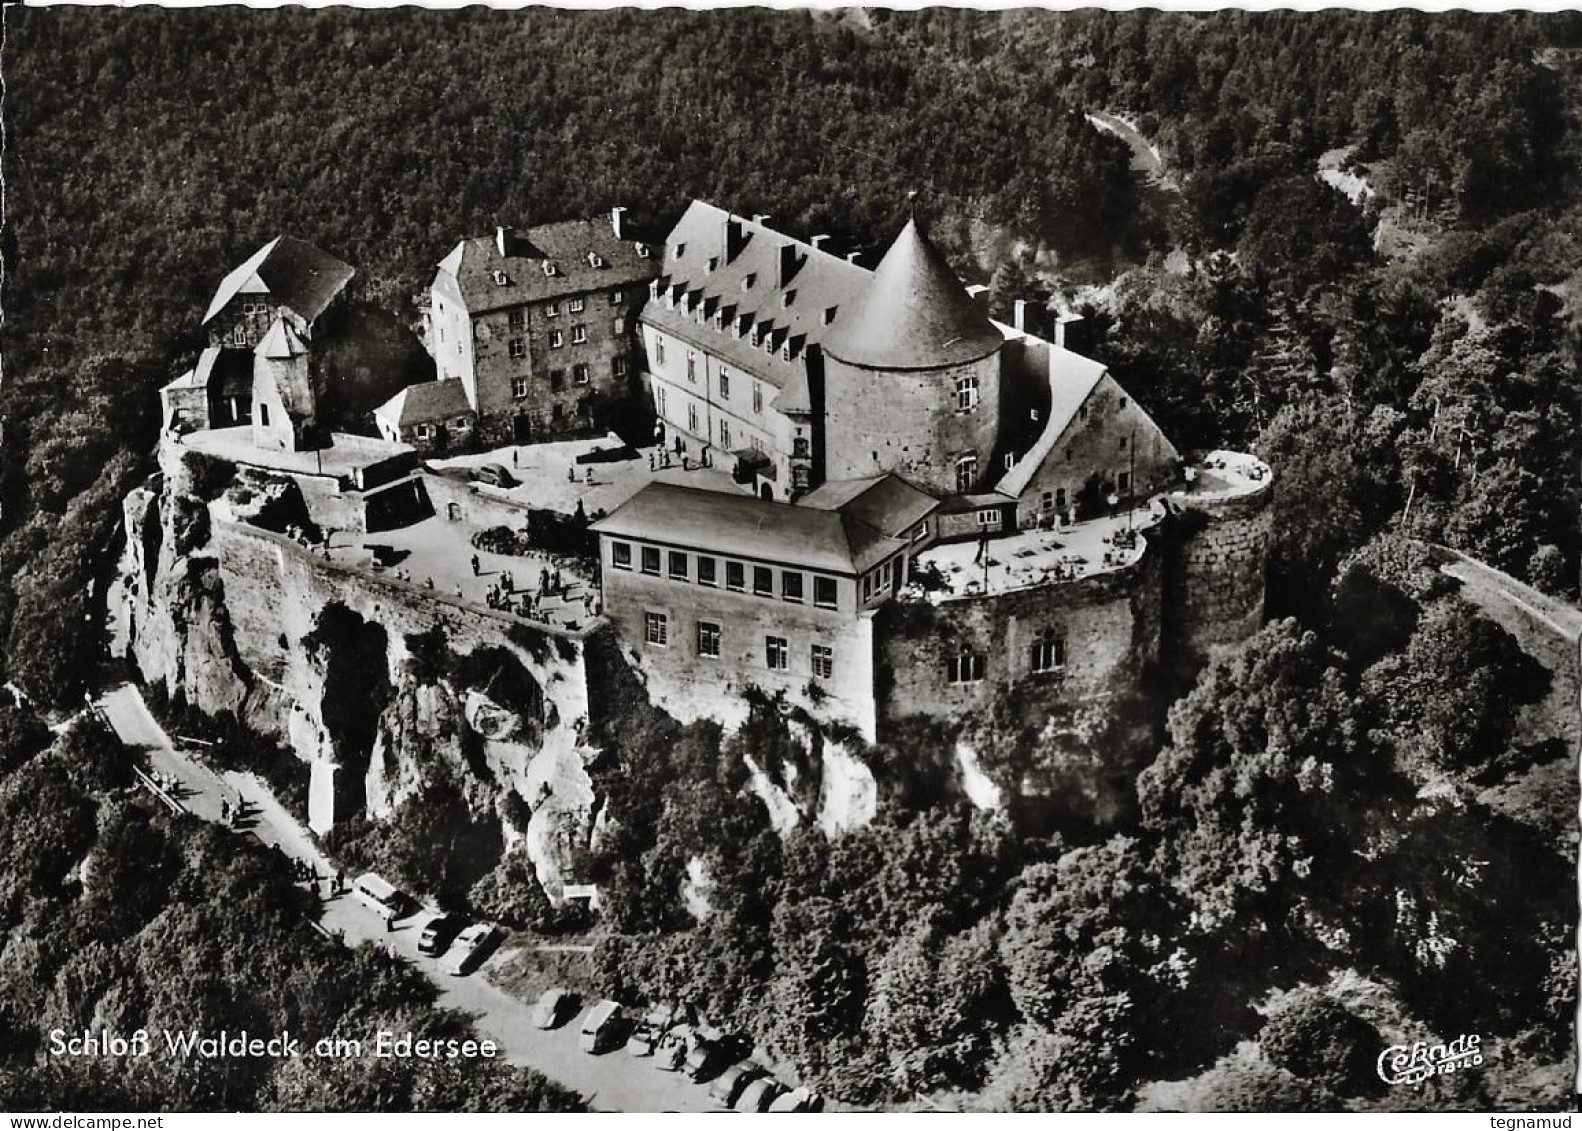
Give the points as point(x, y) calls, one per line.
point(653, 289)
point(550, 269)
point(681, 249)
point(642, 251)
point(594, 260)
point(787, 298)
point(575, 305)
point(757, 337)
point(785, 352)
point(499, 278)
point(719, 319)
point(714, 262)
point(829, 314)
point(749, 281)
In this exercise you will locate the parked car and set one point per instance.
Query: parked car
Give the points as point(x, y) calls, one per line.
point(438, 933)
point(798, 1099)
point(380, 896)
point(758, 1095)
point(492, 474)
point(728, 1085)
point(471, 947)
point(671, 1052)
point(601, 1027)
point(553, 1008)
point(709, 1055)
point(643, 1039)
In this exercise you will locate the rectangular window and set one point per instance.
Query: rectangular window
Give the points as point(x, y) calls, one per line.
point(824, 592)
point(659, 350)
point(823, 661)
point(966, 393)
point(678, 565)
point(965, 667)
point(617, 297)
point(656, 629)
point(519, 387)
point(692, 366)
point(618, 365)
point(579, 374)
point(799, 477)
point(1048, 652)
point(618, 326)
point(651, 560)
point(692, 418)
point(552, 308)
point(706, 575)
point(763, 581)
point(776, 654)
point(790, 586)
point(725, 434)
point(708, 639)
point(517, 319)
point(517, 347)
point(621, 555)
point(1124, 481)
point(725, 385)
point(574, 305)
point(988, 518)
point(557, 379)
point(966, 473)
point(799, 447)
point(758, 397)
point(579, 334)
point(735, 576)
point(556, 339)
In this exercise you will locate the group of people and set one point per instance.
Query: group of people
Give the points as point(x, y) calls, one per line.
point(232, 811)
point(660, 460)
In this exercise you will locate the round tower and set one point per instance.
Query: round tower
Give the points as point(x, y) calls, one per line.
point(912, 376)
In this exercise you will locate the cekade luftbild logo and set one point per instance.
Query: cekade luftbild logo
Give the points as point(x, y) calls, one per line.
point(1412, 1064)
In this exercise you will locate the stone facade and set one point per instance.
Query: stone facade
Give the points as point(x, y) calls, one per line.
point(927, 433)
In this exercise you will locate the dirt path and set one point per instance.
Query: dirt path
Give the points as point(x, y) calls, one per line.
point(615, 1081)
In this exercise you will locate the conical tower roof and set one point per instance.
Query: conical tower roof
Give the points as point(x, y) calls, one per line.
point(915, 314)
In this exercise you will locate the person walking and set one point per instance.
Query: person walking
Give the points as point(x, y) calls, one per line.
point(475, 565)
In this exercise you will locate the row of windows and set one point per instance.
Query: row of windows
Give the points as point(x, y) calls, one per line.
point(1047, 653)
point(724, 376)
point(679, 565)
point(557, 377)
point(710, 643)
point(518, 318)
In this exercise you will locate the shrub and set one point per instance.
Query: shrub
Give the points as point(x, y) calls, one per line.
point(1313, 1036)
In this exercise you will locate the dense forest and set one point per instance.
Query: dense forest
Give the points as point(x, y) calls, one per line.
point(1315, 859)
point(118, 917)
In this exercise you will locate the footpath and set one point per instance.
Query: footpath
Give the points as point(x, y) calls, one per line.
point(614, 1081)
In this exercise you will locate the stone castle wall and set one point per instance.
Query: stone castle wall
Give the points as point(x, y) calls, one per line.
point(1216, 578)
point(1110, 623)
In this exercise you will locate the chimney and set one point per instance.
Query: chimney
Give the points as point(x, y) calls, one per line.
point(819, 241)
point(1071, 332)
point(1019, 315)
point(762, 218)
point(789, 262)
point(735, 238)
point(618, 222)
point(853, 256)
point(979, 294)
point(504, 240)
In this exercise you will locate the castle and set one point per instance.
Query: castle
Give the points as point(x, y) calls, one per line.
point(863, 493)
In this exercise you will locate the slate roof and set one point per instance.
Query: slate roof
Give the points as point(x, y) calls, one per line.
point(792, 309)
point(744, 526)
point(1072, 379)
point(887, 503)
point(425, 403)
point(472, 264)
point(225, 370)
point(293, 273)
point(914, 314)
